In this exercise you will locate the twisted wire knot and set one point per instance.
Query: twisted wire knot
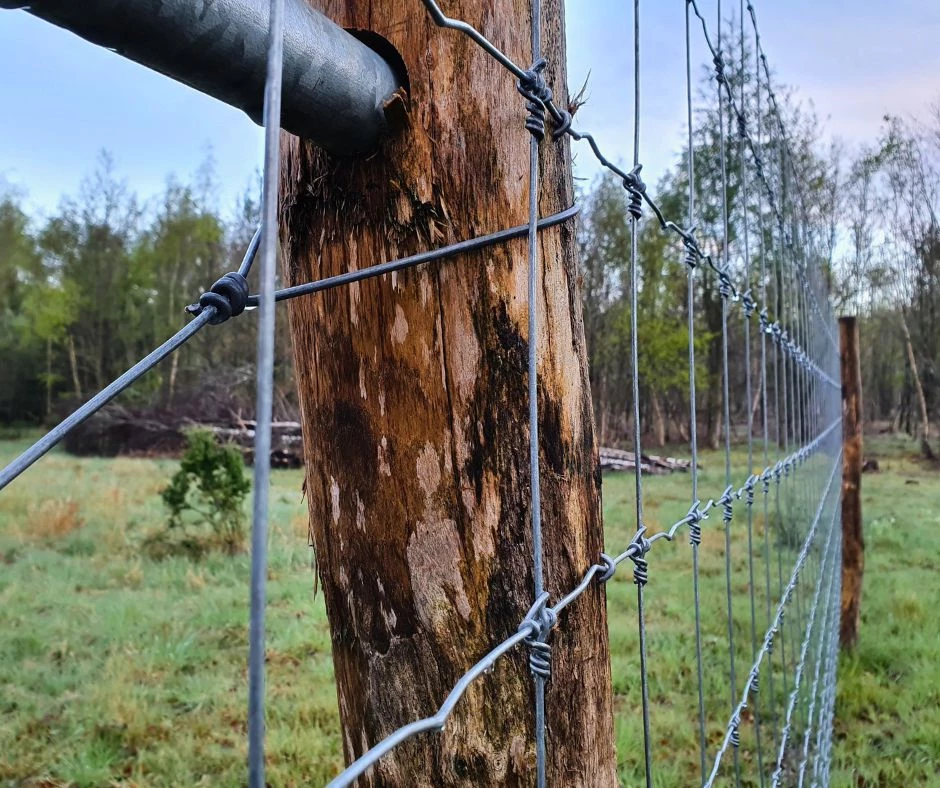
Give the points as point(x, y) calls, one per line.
point(736, 731)
point(755, 683)
point(727, 503)
point(540, 659)
point(719, 62)
point(696, 515)
point(539, 622)
point(693, 254)
point(640, 564)
point(609, 568)
point(764, 321)
point(742, 125)
point(636, 188)
point(749, 305)
point(229, 297)
point(725, 287)
point(749, 490)
point(537, 94)
point(563, 120)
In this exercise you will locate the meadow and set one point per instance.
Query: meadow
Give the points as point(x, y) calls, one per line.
point(116, 669)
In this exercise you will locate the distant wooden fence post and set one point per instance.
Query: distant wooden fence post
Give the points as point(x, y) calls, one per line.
point(853, 543)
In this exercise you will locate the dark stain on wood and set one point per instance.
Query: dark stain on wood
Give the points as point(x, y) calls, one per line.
point(414, 396)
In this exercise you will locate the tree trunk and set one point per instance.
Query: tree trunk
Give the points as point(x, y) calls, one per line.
point(48, 380)
point(712, 308)
point(604, 411)
point(918, 390)
point(414, 402)
point(659, 423)
point(73, 366)
point(171, 381)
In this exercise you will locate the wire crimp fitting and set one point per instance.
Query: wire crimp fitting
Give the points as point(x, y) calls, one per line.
point(539, 622)
point(696, 515)
point(610, 567)
point(727, 503)
point(638, 556)
point(537, 94)
point(229, 297)
point(636, 188)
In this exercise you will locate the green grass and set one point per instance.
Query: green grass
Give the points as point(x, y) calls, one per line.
point(115, 669)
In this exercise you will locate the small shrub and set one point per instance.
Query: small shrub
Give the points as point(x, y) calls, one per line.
point(208, 491)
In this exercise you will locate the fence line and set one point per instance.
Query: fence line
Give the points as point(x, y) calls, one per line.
point(797, 345)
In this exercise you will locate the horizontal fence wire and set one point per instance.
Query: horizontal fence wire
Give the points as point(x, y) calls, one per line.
point(790, 372)
point(228, 298)
point(597, 573)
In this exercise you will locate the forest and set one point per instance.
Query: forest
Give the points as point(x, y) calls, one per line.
point(88, 289)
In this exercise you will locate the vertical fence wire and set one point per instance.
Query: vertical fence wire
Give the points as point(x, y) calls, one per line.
point(695, 530)
point(534, 478)
point(726, 295)
point(640, 575)
point(264, 396)
point(747, 311)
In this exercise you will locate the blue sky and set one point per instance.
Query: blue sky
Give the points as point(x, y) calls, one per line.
point(63, 100)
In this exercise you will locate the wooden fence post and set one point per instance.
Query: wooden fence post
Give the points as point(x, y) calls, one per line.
point(853, 543)
point(415, 415)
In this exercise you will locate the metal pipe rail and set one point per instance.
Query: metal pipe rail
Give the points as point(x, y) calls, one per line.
point(335, 87)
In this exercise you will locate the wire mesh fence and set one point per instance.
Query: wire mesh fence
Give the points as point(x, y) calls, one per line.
point(775, 660)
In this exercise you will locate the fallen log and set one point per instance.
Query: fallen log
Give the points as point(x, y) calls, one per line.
point(620, 460)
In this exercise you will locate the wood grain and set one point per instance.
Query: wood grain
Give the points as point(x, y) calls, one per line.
point(414, 402)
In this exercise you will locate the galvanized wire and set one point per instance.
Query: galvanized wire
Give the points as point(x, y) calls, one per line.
point(734, 722)
point(532, 624)
point(540, 660)
point(640, 571)
point(725, 292)
point(264, 397)
point(806, 419)
point(695, 531)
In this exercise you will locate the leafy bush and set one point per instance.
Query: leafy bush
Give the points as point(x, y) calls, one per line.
point(208, 490)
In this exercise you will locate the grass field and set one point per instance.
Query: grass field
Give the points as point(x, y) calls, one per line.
point(119, 670)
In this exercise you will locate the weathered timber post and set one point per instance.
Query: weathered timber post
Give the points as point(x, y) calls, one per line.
point(413, 391)
point(853, 543)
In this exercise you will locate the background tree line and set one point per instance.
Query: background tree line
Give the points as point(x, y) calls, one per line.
point(867, 217)
point(88, 290)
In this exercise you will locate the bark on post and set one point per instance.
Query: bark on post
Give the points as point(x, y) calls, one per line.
point(413, 392)
point(853, 544)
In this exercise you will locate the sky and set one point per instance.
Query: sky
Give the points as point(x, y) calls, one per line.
point(63, 100)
